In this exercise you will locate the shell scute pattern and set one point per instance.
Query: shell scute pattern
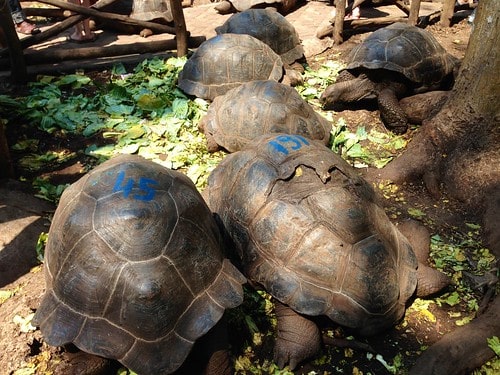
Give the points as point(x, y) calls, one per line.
point(259, 107)
point(268, 26)
point(312, 235)
point(225, 62)
point(134, 267)
point(408, 50)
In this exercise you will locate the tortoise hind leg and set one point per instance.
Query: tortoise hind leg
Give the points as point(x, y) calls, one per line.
point(298, 338)
point(430, 281)
point(210, 353)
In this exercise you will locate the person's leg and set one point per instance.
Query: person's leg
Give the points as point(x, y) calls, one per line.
point(82, 30)
point(23, 26)
point(16, 11)
point(89, 34)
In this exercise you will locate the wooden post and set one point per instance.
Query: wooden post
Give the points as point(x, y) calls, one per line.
point(447, 12)
point(6, 169)
point(414, 12)
point(17, 63)
point(338, 29)
point(181, 33)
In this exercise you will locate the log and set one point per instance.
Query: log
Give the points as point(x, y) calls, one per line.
point(59, 55)
point(46, 12)
point(100, 64)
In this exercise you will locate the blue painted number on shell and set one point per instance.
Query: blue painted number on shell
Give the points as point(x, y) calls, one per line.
point(145, 185)
point(287, 143)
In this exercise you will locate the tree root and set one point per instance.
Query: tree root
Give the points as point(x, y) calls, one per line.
point(464, 349)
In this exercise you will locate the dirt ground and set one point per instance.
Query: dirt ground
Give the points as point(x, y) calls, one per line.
point(22, 283)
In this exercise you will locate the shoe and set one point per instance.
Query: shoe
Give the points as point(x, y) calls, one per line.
point(82, 41)
point(27, 28)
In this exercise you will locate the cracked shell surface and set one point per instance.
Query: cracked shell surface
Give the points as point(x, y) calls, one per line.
point(307, 229)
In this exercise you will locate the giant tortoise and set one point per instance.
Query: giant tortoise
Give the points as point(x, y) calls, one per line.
point(226, 61)
point(270, 27)
point(307, 230)
point(395, 61)
point(134, 267)
point(234, 6)
point(259, 107)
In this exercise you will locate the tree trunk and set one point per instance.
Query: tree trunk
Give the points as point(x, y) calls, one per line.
point(458, 149)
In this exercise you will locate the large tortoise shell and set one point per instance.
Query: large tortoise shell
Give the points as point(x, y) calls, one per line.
point(260, 107)
point(134, 267)
point(151, 10)
point(226, 61)
point(270, 27)
point(242, 5)
point(404, 49)
point(308, 230)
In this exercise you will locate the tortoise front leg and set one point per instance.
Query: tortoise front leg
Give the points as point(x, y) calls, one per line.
point(391, 113)
point(298, 338)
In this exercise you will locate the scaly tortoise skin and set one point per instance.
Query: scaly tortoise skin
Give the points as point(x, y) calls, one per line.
point(226, 61)
point(134, 267)
point(392, 62)
point(307, 229)
point(270, 27)
point(256, 108)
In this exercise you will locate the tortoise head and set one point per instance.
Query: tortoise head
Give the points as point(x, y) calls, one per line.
point(348, 88)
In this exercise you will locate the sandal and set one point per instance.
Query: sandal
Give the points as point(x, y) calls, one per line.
point(93, 38)
point(27, 28)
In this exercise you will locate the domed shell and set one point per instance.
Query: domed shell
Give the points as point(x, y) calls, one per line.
point(260, 107)
point(225, 62)
point(151, 10)
point(134, 267)
point(242, 5)
point(307, 229)
point(270, 27)
point(405, 49)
